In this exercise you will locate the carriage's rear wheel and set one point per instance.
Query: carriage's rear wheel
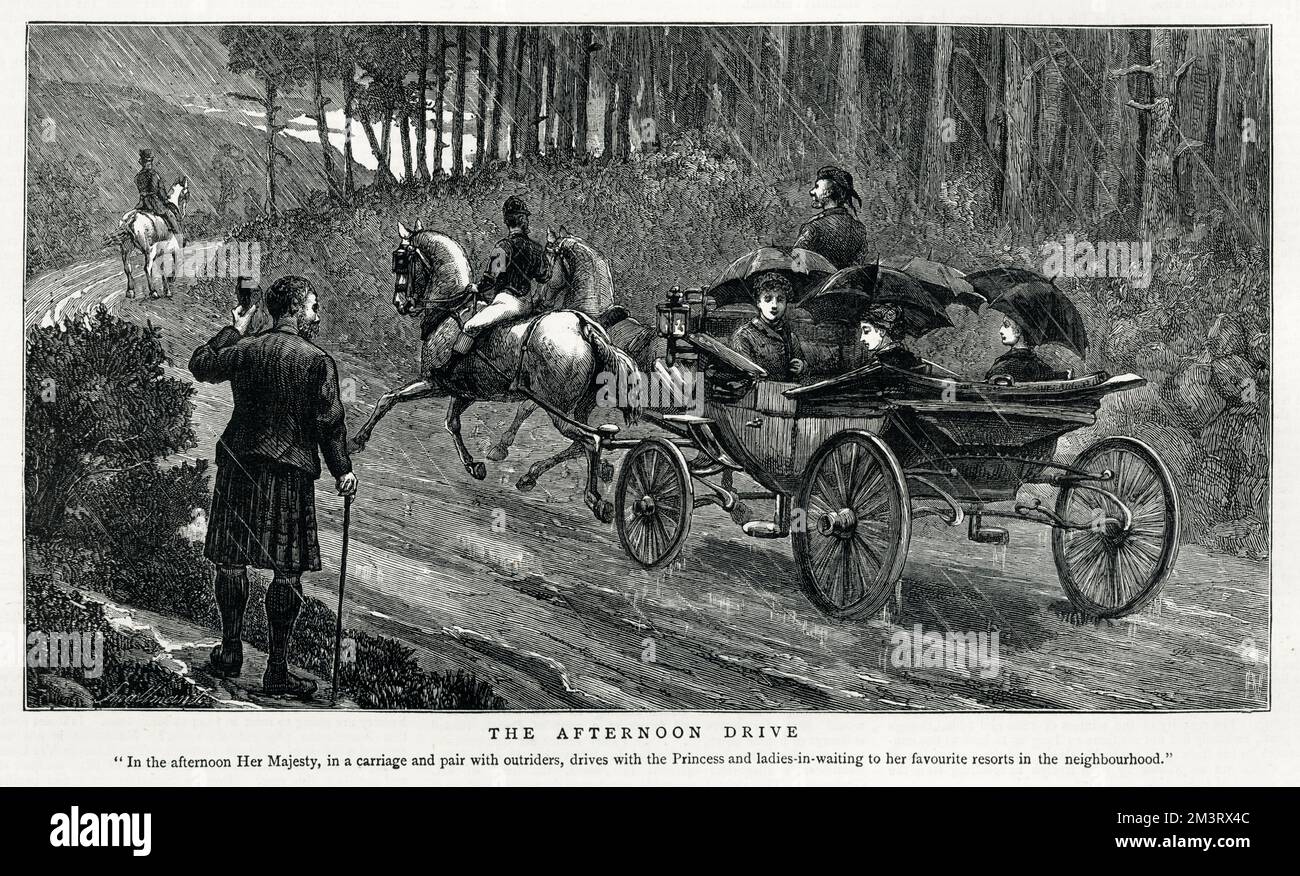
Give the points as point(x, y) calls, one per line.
point(856, 527)
point(653, 501)
point(1117, 563)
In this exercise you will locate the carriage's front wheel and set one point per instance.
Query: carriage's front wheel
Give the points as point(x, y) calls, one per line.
point(653, 501)
point(1121, 537)
point(856, 525)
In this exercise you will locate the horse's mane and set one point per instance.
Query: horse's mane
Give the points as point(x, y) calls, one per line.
point(450, 266)
point(593, 283)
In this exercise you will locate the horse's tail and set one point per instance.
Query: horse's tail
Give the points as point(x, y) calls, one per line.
point(122, 229)
point(613, 361)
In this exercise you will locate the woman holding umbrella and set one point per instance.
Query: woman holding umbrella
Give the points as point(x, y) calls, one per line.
point(1020, 363)
point(1036, 313)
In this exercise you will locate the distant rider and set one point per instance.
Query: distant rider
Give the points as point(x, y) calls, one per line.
point(516, 263)
point(153, 196)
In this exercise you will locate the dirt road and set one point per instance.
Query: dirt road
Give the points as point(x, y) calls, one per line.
point(532, 593)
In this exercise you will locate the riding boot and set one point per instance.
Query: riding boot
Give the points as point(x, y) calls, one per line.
point(283, 603)
point(459, 351)
point(227, 659)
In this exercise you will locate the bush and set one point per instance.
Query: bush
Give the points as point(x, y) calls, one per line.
point(130, 679)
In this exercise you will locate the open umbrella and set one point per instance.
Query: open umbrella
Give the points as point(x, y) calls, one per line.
point(1046, 314)
point(850, 293)
point(946, 283)
point(799, 266)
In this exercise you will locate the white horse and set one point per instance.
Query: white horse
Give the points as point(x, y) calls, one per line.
point(146, 233)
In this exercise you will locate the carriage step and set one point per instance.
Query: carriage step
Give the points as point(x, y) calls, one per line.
point(986, 534)
point(763, 529)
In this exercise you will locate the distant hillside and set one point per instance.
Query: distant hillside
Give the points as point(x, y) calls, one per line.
point(181, 63)
point(82, 163)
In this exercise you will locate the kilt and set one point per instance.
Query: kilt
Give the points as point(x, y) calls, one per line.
point(263, 515)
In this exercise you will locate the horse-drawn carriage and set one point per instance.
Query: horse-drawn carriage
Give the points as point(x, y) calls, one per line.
point(850, 461)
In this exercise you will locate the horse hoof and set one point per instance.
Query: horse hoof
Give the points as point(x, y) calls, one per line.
point(356, 446)
point(130, 293)
point(604, 510)
point(525, 485)
point(497, 452)
point(477, 470)
point(606, 471)
point(154, 295)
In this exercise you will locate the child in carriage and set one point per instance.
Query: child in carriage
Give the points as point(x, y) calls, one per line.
point(768, 339)
point(1019, 364)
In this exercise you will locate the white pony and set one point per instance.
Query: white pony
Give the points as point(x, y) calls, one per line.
point(146, 233)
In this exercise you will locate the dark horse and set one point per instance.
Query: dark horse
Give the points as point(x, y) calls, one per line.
point(558, 356)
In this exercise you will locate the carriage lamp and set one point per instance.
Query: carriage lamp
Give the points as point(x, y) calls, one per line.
point(672, 315)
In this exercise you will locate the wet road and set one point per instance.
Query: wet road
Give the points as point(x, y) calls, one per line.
point(529, 591)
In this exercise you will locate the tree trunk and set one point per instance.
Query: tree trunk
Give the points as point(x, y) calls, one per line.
point(1110, 150)
point(1016, 169)
point(422, 120)
point(937, 123)
point(532, 140)
point(1159, 185)
point(1049, 124)
point(349, 98)
point(270, 145)
point(498, 79)
point(404, 132)
point(583, 94)
point(1139, 89)
point(382, 174)
point(385, 139)
point(458, 120)
point(625, 103)
point(896, 90)
point(322, 125)
point(518, 104)
point(482, 76)
point(994, 119)
point(566, 93)
point(552, 116)
point(653, 85)
point(612, 60)
point(440, 68)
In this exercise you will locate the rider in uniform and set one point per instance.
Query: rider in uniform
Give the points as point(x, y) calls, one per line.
point(835, 232)
point(517, 262)
point(153, 196)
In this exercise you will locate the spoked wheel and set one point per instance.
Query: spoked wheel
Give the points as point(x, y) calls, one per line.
point(1127, 536)
point(851, 550)
point(653, 501)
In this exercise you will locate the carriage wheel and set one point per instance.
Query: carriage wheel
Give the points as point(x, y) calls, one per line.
point(653, 501)
point(1106, 569)
point(857, 524)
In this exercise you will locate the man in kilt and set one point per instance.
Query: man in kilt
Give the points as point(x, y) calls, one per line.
point(287, 406)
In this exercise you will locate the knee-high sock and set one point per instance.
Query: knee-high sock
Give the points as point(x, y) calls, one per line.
point(283, 602)
point(232, 598)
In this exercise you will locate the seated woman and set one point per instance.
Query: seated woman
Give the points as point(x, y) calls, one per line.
point(767, 339)
point(882, 338)
point(1020, 364)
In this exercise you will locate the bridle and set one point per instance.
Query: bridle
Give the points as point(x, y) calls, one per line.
point(561, 248)
point(404, 259)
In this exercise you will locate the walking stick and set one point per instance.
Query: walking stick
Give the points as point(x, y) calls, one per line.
point(343, 577)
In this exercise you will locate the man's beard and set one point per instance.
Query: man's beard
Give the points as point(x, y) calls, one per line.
point(308, 330)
